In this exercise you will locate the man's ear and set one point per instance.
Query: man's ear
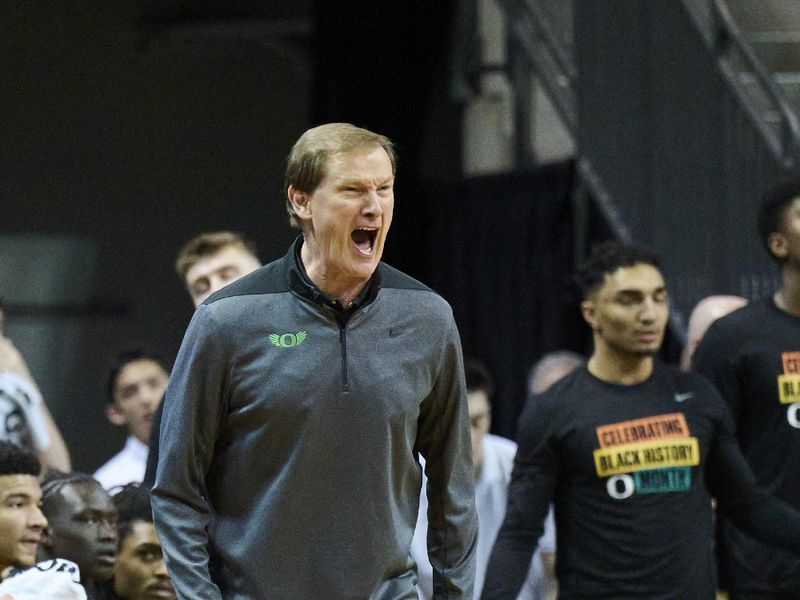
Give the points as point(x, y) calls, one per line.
point(589, 313)
point(114, 415)
point(301, 203)
point(778, 244)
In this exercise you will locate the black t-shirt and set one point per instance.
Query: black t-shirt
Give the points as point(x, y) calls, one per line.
point(753, 358)
point(629, 469)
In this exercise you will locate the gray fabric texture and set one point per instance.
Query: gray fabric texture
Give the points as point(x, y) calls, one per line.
point(288, 460)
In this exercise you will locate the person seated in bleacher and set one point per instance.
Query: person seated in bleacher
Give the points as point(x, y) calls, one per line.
point(82, 528)
point(140, 573)
point(136, 385)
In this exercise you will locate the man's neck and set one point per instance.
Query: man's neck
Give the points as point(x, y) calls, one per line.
point(788, 297)
point(344, 290)
point(613, 366)
point(96, 590)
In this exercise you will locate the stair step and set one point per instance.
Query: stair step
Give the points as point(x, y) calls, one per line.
point(788, 82)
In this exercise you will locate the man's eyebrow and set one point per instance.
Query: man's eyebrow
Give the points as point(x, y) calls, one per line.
point(639, 292)
point(360, 180)
point(149, 546)
point(15, 495)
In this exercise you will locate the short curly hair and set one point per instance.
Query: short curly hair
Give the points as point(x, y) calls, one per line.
point(15, 460)
point(606, 258)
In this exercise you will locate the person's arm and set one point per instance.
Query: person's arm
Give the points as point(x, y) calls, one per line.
point(443, 439)
point(549, 569)
point(152, 452)
point(547, 556)
point(739, 497)
point(193, 409)
point(717, 359)
point(49, 444)
point(56, 455)
point(529, 495)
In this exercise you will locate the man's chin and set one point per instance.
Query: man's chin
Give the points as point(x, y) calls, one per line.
point(647, 352)
point(103, 573)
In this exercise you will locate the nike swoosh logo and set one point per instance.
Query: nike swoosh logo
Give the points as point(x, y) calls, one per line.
point(683, 397)
point(395, 331)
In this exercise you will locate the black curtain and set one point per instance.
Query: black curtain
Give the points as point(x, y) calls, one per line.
point(501, 252)
point(378, 64)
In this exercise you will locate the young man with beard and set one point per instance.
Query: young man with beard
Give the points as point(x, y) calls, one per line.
point(630, 451)
point(753, 357)
point(301, 397)
point(140, 573)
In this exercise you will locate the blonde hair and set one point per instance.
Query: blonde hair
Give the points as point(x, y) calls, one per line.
point(208, 244)
point(305, 166)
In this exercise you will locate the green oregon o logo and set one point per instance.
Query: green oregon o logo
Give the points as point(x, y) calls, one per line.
point(287, 340)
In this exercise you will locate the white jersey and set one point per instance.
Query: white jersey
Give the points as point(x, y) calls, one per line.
point(55, 579)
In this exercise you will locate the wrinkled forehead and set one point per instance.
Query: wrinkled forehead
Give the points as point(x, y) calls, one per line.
point(363, 160)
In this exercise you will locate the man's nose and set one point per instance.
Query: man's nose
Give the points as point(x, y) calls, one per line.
point(36, 518)
point(161, 569)
point(372, 204)
point(648, 312)
point(107, 531)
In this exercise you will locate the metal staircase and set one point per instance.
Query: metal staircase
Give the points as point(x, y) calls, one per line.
point(683, 113)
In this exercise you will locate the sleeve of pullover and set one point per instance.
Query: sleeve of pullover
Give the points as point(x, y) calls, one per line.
point(443, 438)
point(193, 408)
point(530, 492)
point(734, 485)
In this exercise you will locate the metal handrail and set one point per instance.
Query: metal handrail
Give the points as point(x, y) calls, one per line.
point(542, 24)
point(563, 99)
point(727, 34)
point(527, 23)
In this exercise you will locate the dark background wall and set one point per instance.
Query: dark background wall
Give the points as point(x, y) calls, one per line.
point(128, 131)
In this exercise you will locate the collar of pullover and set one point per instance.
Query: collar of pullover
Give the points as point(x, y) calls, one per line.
point(302, 285)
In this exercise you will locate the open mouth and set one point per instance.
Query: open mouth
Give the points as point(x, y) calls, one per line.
point(364, 239)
